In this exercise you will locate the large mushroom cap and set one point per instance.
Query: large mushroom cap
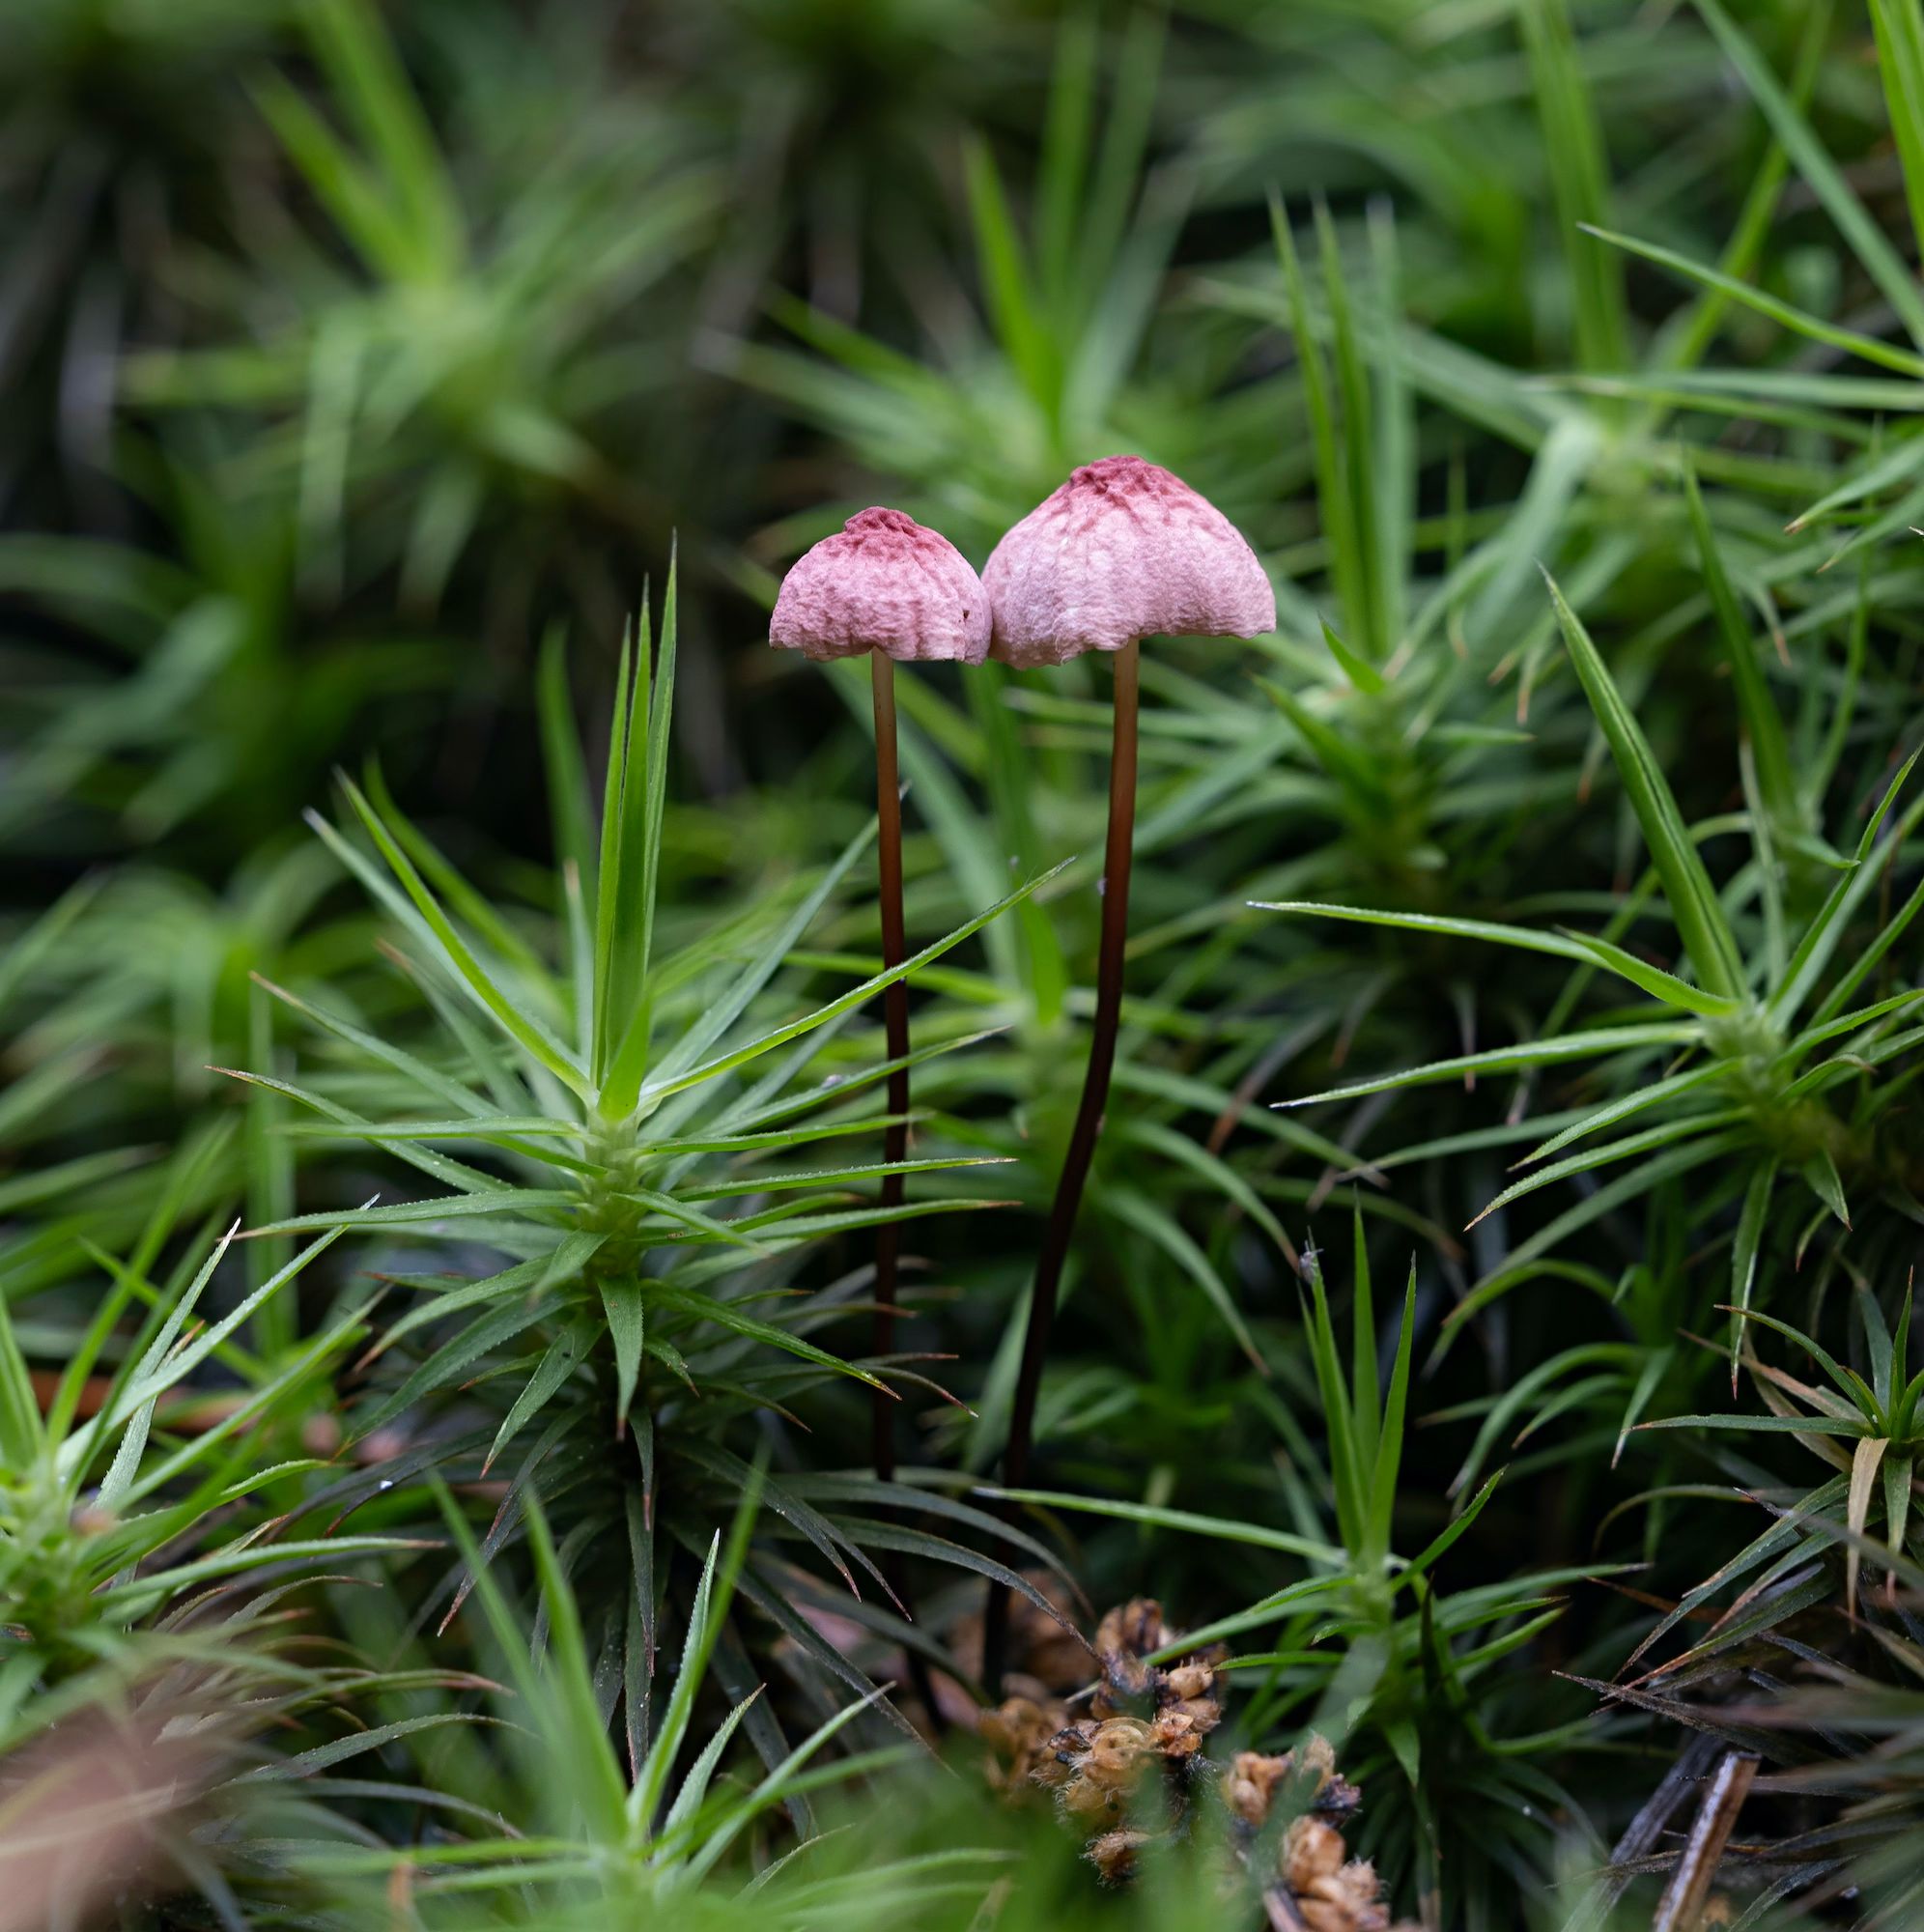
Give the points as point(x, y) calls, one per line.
point(1123, 550)
point(883, 583)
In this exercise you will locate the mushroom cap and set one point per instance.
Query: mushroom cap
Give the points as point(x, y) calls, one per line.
point(1121, 551)
point(883, 583)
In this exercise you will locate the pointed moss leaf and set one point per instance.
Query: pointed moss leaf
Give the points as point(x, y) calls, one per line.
point(1693, 901)
point(1760, 716)
point(1766, 1425)
point(1656, 1093)
point(1338, 756)
point(1363, 674)
point(1820, 1171)
point(1611, 1151)
point(1865, 1459)
point(22, 1434)
point(622, 1303)
point(1163, 1231)
point(1820, 941)
point(1868, 347)
point(1227, 1529)
point(551, 1372)
point(526, 1031)
point(1654, 980)
point(1873, 247)
point(1510, 1059)
point(1388, 1450)
point(417, 1213)
point(622, 1086)
point(687, 1301)
point(1441, 1543)
point(857, 996)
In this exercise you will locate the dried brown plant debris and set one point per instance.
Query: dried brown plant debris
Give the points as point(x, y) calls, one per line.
point(1322, 1888)
point(1124, 1641)
point(90, 1810)
point(1129, 1747)
point(1019, 1733)
point(1251, 1782)
point(1047, 1657)
point(1133, 1712)
point(1114, 1855)
point(1094, 1767)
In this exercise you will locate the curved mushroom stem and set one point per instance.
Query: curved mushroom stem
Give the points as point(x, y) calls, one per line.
point(895, 1025)
point(1087, 1126)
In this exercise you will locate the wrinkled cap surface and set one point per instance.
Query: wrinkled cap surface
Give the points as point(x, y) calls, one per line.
point(883, 583)
point(1123, 550)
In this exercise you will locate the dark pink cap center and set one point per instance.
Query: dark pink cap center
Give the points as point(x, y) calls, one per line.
point(879, 522)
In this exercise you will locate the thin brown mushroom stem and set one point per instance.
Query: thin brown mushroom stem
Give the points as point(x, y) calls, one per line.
point(896, 1023)
point(885, 588)
point(1084, 1135)
point(896, 1136)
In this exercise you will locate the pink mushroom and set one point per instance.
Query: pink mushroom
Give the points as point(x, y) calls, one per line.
point(882, 583)
point(885, 584)
point(1122, 551)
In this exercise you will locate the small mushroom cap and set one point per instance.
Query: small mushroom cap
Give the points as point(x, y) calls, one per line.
point(883, 583)
point(1123, 550)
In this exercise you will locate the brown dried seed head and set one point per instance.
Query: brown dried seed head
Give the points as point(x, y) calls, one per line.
point(1248, 1781)
point(1018, 1734)
point(1328, 1914)
point(1360, 1885)
point(1187, 1681)
point(1117, 1749)
point(1322, 1914)
point(1205, 1713)
point(1177, 1734)
point(1249, 1786)
point(1125, 1637)
point(1103, 1771)
point(1114, 1854)
point(1344, 1900)
point(1310, 1851)
point(1062, 1757)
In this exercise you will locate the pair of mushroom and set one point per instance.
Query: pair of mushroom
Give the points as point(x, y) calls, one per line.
point(1121, 552)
